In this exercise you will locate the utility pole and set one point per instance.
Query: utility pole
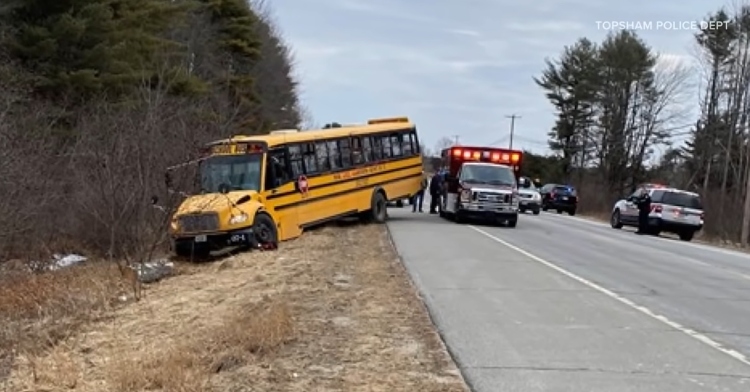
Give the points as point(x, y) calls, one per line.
point(455, 140)
point(512, 118)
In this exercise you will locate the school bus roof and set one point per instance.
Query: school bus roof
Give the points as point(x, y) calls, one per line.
point(302, 136)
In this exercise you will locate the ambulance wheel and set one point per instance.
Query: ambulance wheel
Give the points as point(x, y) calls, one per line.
point(458, 218)
point(378, 207)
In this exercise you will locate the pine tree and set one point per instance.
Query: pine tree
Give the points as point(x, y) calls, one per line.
point(236, 23)
point(79, 49)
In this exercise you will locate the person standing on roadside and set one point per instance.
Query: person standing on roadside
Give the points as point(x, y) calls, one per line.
point(436, 190)
point(419, 197)
point(644, 209)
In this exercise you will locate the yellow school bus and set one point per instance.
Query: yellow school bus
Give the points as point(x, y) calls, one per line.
point(262, 189)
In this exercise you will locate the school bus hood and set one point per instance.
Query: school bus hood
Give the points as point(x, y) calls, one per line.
point(214, 202)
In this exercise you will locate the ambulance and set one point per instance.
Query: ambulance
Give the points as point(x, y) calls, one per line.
point(481, 183)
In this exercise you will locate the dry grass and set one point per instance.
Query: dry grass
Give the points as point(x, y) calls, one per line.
point(39, 310)
point(331, 311)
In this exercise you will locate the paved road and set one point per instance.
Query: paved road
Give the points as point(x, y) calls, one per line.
point(564, 304)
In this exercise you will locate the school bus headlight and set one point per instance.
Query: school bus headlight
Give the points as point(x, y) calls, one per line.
point(237, 219)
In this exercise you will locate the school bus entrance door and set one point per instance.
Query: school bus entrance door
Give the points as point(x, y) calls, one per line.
point(281, 195)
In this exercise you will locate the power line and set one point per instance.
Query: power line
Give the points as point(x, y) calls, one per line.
point(512, 118)
point(498, 141)
point(532, 141)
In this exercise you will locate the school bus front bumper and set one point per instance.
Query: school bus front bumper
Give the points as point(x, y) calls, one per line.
point(217, 240)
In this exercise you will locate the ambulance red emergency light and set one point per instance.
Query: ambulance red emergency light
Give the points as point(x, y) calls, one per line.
point(481, 182)
point(455, 156)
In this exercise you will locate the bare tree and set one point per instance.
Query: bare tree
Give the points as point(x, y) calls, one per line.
point(443, 143)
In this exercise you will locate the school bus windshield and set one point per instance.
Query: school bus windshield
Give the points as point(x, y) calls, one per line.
point(232, 172)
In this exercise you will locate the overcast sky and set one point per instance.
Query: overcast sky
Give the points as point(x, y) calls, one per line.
point(458, 67)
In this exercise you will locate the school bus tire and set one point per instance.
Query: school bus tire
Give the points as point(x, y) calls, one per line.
point(379, 207)
point(264, 228)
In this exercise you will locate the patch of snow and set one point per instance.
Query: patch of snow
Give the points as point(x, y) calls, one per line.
point(154, 271)
point(58, 262)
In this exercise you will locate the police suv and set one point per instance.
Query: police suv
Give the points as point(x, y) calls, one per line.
point(481, 183)
point(672, 211)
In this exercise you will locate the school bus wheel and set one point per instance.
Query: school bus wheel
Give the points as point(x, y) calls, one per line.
point(379, 207)
point(264, 229)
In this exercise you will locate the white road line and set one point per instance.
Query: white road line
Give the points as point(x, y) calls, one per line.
point(693, 334)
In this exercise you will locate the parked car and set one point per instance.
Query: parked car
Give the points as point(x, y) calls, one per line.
point(530, 198)
point(562, 198)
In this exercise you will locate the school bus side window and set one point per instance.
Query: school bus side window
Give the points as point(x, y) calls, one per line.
point(334, 155)
point(396, 144)
point(415, 142)
point(296, 161)
point(358, 152)
point(377, 148)
point(277, 171)
point(311, 161)
point(346, 153)
point(408, 147)
point(369, 151)
point(321, 153)
point(386, 140)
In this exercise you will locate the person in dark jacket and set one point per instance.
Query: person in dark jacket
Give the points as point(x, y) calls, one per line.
point(417, 199)
point(644, 209)
point(436, 191)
